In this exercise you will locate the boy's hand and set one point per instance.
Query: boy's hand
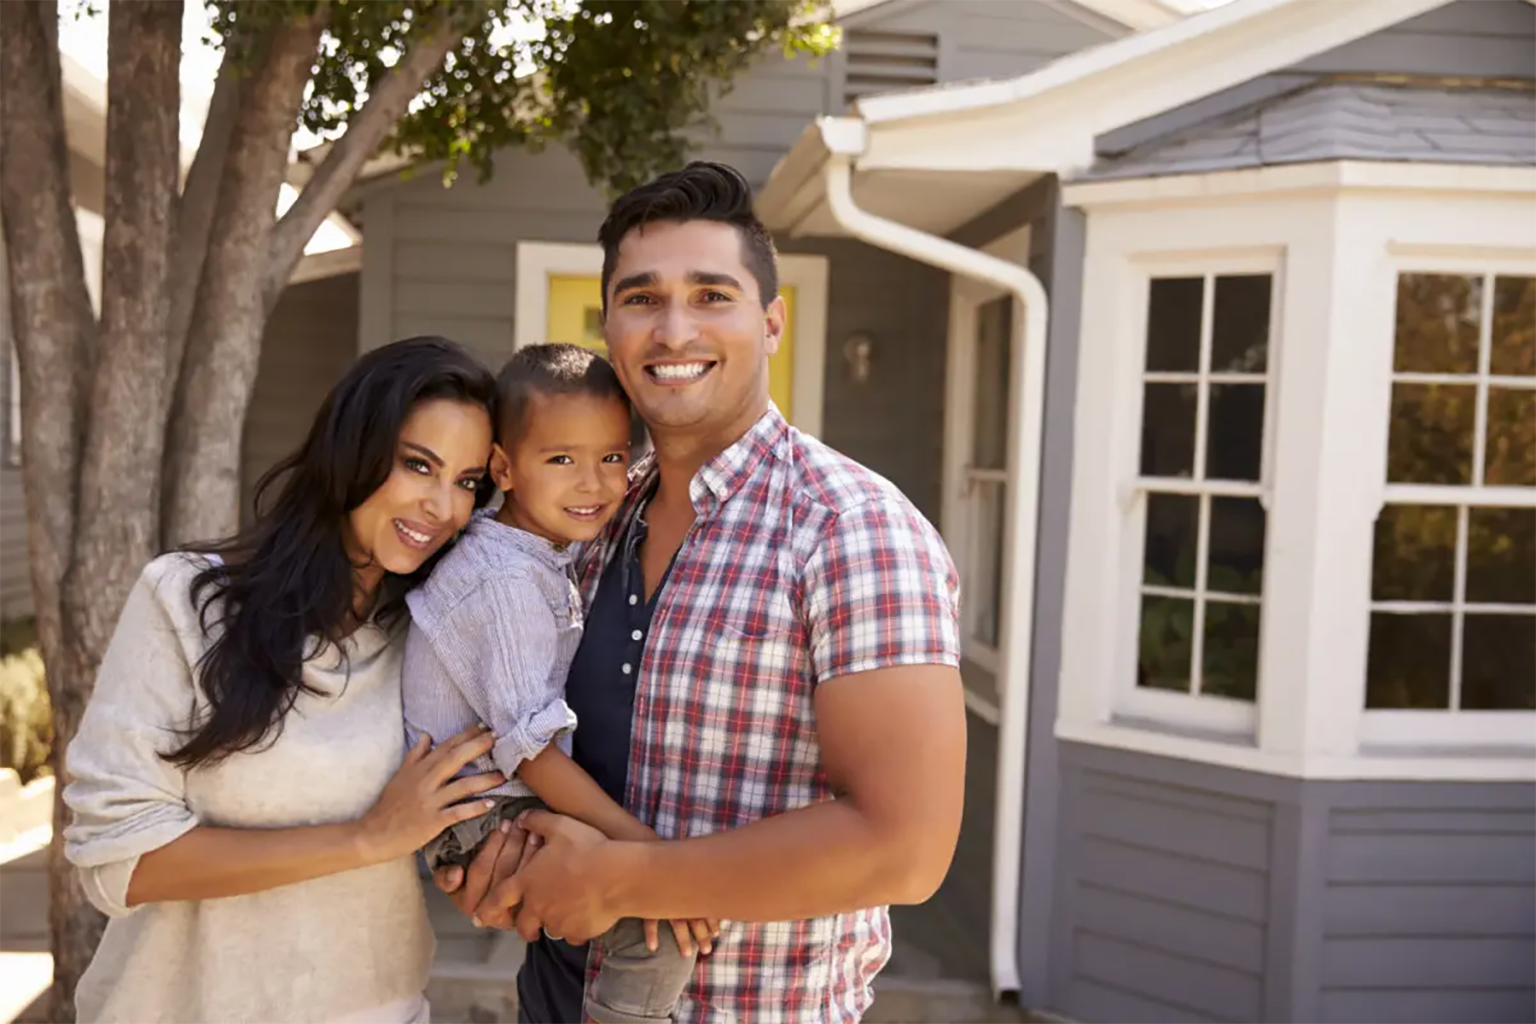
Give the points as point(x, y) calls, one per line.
point(686, 932)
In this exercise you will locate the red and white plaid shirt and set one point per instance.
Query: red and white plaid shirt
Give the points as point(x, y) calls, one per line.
point(801, 566)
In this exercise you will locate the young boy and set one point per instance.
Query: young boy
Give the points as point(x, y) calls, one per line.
point(494, 629)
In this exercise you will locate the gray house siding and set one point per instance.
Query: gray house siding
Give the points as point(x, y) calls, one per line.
point(1189, 892)
point(309, 342)
point(15, 578)
point(1471, 38)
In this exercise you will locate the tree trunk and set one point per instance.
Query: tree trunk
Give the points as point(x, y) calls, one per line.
point(118, 519)
point(55, 338)
point(219, 369)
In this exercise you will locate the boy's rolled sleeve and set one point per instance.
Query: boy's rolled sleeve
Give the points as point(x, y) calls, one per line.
point(499, 645)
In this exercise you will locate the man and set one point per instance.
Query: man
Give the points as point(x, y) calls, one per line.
point(769, 673)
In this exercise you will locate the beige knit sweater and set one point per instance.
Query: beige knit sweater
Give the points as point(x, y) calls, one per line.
point(320, 950)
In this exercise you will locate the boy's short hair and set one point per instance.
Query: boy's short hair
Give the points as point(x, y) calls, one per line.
point(555, 368)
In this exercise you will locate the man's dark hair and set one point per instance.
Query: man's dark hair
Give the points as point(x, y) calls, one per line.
point(556, 368)
point(700, 191)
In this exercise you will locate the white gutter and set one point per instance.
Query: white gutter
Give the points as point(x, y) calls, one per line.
point(845, 140)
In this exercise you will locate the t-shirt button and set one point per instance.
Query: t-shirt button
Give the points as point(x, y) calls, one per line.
point(634, 599)
point(636, 635)
point(626, 668)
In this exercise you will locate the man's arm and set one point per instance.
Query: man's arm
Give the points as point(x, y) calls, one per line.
point(893, 745)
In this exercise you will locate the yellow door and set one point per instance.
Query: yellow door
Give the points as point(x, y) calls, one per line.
point(576, 316)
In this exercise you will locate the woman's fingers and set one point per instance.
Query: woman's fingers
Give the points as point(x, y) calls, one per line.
point(418, 750)
point(471, 785)
point(460, 751)
point(464, 812)
point(684, 939)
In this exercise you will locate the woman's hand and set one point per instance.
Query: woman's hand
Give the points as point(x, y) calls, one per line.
point(424, 798)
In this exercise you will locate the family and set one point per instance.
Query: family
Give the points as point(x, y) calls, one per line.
point(715, 686)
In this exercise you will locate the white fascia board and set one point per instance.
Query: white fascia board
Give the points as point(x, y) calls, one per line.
point(796, 185)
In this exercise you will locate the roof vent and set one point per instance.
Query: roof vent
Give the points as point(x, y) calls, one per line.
point(887, 61)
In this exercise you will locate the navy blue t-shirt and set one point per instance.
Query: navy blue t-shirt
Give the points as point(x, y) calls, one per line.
point(601, 690)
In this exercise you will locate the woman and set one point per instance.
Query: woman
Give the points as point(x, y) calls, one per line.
point(245, 810)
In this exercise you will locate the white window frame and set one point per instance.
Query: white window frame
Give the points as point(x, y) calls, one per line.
point(1404, 728)
point(966, 297)
point(537, 262)
point(1221, 715)
point(1341, 232)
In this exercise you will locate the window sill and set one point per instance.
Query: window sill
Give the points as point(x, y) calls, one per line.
point(1482, 763)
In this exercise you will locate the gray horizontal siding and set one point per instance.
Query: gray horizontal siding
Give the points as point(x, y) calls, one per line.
point(309, 342)
point(1430, 908)
point(1472, 38)
point(1163, 911)
point(1189, 892)
point(991, 38)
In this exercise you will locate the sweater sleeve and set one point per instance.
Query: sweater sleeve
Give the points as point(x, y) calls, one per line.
point(125, 798)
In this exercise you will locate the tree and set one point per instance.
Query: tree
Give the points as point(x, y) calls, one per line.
point(132, 421)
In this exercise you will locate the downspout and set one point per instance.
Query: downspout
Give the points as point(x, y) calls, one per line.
point(1017, 639)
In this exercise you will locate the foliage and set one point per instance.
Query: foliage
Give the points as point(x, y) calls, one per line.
point(621, 81)
point(26, 720)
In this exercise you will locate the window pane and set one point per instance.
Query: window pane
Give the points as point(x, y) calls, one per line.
point(1230, 661)
point(1236, 544)
point(1511, 443)
point(1514, 327)
point(1170, 542)
point(994, 333)
point(1498, 663)
point(1240, 324)
point(1234, 447)
point(1501, 555)
point(1415, 554)
point(1437, 323)
point(1410, 662)
point(1168, 431)
point(1173, 324)
point(1431, 434)
point(986, 582)
point(1167, 625)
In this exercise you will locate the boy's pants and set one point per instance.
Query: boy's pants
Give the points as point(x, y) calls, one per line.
point(634, 986)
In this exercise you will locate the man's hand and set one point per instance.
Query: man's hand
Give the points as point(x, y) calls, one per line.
point(563, 891)
point(500, 856)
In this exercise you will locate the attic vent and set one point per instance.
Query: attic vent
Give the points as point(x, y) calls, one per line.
point(886, 61)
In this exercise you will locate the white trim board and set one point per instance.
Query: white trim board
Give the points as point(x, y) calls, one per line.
point(537, 262)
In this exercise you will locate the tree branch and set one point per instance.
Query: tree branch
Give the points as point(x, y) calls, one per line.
point(194, 219)
point(365, 130)
point(202, 484)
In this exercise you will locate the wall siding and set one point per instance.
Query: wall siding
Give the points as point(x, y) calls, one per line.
point(1196, 893)
point(994, 38)
point(1472, 38)
point(308, 344)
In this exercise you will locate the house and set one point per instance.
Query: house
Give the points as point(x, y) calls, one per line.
point(1239, 462)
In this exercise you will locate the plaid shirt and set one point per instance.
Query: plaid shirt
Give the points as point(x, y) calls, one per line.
point(801, 566)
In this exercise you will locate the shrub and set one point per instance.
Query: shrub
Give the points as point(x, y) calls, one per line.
point(26, 717)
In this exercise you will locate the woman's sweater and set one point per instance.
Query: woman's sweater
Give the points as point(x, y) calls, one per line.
point(320, 950)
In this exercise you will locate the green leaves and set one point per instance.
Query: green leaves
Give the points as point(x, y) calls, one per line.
point(622, 81)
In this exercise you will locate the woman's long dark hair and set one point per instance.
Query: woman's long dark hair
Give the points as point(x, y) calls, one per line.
point(286, 582)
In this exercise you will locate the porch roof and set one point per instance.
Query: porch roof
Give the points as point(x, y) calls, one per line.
point(937, 157)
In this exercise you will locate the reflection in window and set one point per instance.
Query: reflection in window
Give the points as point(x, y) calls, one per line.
point(1453, 614)
point(1203, 398)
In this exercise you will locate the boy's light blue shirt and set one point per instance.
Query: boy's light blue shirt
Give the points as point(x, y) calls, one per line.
point(493, 632)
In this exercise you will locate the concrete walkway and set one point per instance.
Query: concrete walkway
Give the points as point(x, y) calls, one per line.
point(472, 978)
